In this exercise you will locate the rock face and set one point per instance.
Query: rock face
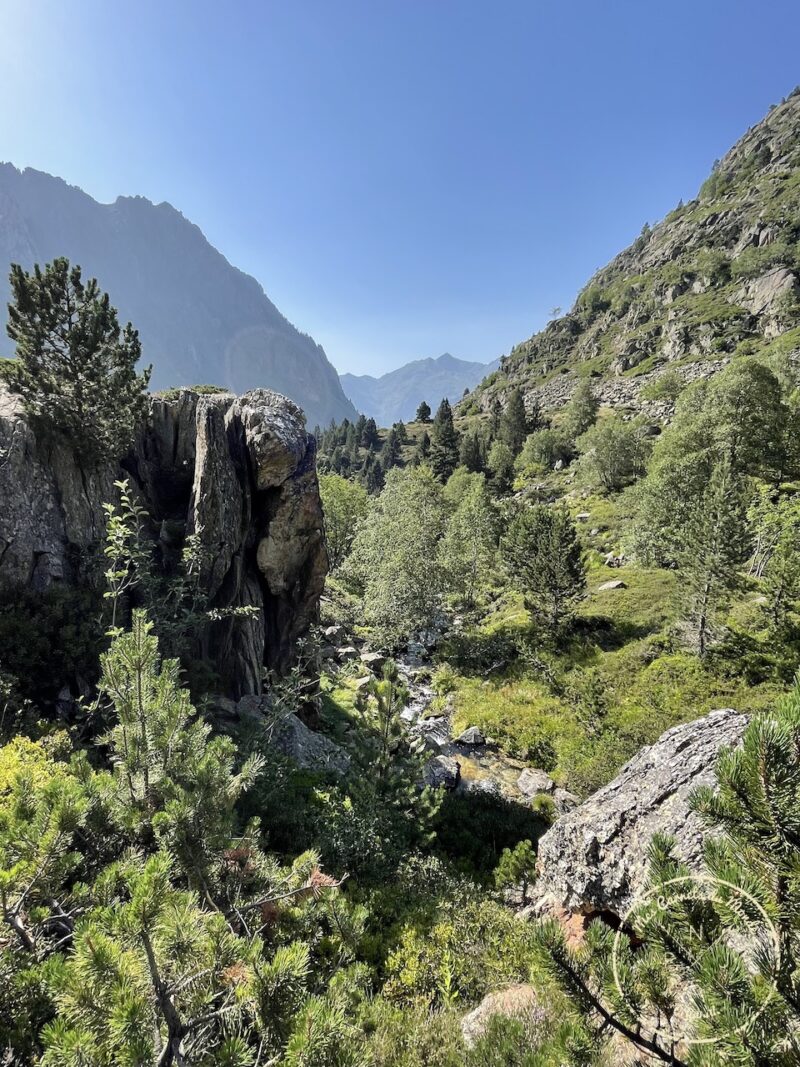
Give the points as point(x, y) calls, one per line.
point(594, 859)
point(236, 471)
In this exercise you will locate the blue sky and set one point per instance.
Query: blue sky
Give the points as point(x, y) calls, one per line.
point(404, 177)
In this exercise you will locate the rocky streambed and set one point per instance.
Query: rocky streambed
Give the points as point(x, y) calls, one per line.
point(470, 762)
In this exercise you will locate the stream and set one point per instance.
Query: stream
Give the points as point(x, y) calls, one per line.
point(484, 768)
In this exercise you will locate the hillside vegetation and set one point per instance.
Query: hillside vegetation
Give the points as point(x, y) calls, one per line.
point(717, 278)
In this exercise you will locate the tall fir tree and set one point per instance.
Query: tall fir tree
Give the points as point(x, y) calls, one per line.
point(514, 427)
point(543, 559)
point(423, 412)
point(444, 442)
point(714, 550)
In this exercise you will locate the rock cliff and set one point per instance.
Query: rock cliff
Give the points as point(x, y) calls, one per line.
point(237, 471)
point(593, 860)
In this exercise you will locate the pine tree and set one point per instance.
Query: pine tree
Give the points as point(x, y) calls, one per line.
point(444, 442)
point(543, 558)
point(423, 413)
point(714, 549)
point(391, 451)
point(370, 436)
point(423, 449)
point(375, 477)
point(514, 426)
point(471, 454)
point(361, 425)
point(75, 369)
point(517, 868)
point(782, 579)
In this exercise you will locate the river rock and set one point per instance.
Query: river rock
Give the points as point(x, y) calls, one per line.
point(471, 736)
point(614, 584)
point(594, 859)
point(374, 661)
point(442, 771)
point(533, 781)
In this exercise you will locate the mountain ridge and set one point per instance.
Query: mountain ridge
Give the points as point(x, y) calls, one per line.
point(200, 318)
point(716, 279)
point(395, 396)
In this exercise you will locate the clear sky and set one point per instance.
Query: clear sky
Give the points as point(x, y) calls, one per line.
point(404, 177)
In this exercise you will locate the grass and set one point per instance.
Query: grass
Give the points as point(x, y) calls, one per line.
point(621, 682)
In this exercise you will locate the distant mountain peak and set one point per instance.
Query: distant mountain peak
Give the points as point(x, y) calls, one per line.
point(395, 396)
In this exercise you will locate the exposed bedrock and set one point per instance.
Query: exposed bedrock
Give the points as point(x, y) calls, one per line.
point(237, 471)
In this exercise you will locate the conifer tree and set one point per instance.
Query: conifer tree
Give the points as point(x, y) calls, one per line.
point(543, 558)
point(782, 580)
point(444, 442)
point(75, 369)
point(514, 427)
point(472, 454)
point(375, 477)
point(423, 449)
point(423, 413)
point(714, 549)
point(370, 437)
point(391, 451)
point(517, 868)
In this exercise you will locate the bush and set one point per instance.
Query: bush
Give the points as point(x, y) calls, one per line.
point(667, 386)
point(50, 639)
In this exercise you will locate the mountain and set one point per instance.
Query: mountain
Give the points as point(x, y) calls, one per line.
point(200, 319)
point(395, 396)
point(717, 279)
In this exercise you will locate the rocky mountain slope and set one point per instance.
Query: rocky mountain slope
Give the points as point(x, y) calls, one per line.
point(237, 471)
point(200, 319)
point(718, 278)
point(395, 396)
